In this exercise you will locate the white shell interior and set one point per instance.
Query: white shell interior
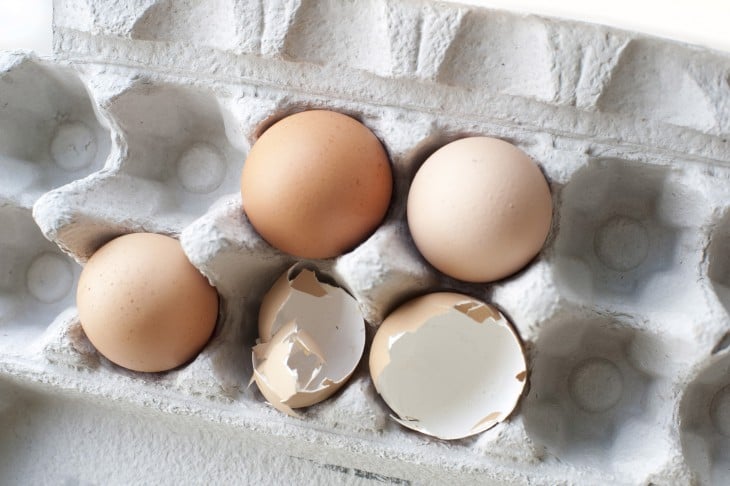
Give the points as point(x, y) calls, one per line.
point(316, 342)
point(142, 121)
point(453, 376)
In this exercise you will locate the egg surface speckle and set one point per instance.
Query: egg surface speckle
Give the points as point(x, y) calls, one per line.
point(143, 305)
point(316, 184)
point(479, 209)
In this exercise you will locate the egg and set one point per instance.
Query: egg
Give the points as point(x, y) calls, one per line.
point(143, 305)
point(448, 365)
point(316, 184)
point(479, 209)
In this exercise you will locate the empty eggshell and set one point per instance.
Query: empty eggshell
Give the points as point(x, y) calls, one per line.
point(311, 338)
point(448, 365)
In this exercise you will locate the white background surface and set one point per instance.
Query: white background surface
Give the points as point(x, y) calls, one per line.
point(26, 24)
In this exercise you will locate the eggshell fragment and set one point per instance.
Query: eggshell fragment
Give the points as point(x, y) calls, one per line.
point(311, 338)
point(448, 365)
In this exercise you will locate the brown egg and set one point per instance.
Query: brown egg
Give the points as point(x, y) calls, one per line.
point(316, 184)
point(143, 305)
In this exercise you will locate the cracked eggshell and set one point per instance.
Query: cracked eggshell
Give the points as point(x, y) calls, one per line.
point(285, 365)
point(311, 338)
point(448, 365)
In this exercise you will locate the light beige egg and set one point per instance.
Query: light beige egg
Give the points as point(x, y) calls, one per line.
point(479, 209)
point(143, 305)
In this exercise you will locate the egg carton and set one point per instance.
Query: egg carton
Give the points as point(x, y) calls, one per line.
point(142, 120)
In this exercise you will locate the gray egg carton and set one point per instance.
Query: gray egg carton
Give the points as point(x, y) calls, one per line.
point(142, 120)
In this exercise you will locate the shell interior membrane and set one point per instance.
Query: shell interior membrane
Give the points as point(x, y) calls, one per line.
point(458, 372)
point(312, 344)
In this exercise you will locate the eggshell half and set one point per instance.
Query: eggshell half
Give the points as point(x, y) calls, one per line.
point(311, 338)
point(448, 365)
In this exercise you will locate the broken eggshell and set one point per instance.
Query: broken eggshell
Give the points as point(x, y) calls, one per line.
point(448, 365)
point(311, 339)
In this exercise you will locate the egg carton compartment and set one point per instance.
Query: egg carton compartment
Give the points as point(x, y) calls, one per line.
point(628, 236)
point(37, 280)
point(49, 132)
point(718, 267)
point(597, 383)
point(175, 138)
point(621, 307)
point(705, 419)
point(171, 160)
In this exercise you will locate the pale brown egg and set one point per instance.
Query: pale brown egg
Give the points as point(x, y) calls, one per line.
point(479, 209)
point(143, 305)
point(316, 184)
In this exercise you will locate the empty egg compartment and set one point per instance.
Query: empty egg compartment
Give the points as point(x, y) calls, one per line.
point(173, 157)
point(717, 261)
point(601, 393)
point(175, 137)
point(704, 417)
point(50, 133)
point(631, 236)
point(704, 413)
point(37, 281)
